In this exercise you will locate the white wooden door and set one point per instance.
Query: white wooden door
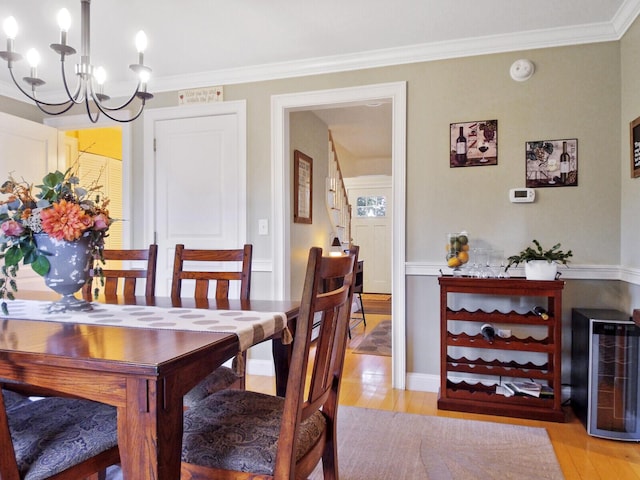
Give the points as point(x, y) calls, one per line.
point(28, 151)
point(200, 192)
point(371, 225)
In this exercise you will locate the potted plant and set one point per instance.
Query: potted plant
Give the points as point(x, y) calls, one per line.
point(540, 264)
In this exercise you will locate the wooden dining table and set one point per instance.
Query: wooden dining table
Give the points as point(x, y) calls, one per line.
point(143, 372)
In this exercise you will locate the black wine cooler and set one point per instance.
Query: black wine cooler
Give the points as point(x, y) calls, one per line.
point(605, 365)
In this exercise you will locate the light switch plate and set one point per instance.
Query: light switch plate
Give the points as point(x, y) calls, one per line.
point(263, 226)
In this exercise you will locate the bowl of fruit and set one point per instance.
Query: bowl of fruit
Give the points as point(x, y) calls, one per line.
point(457, 251)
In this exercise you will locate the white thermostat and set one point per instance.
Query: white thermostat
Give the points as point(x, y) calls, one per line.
point(522, 195)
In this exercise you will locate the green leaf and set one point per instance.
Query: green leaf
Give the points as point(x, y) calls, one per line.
point(5, 309)
point(41, 265)
point(13, 256)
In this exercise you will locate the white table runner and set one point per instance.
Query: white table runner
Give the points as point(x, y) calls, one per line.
point(250, 326)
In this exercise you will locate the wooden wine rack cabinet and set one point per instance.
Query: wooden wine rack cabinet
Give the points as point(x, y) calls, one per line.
point(479, 397)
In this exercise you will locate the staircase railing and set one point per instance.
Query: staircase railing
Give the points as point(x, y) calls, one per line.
point(337, 201)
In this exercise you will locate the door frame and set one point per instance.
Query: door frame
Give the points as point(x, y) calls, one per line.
point(281, 106)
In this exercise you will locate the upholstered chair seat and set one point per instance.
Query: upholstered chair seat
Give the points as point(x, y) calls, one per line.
point(252, 422)
point(221, 378)
point(53, 434)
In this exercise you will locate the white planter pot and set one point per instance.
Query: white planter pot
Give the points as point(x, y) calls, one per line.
point(540, 270)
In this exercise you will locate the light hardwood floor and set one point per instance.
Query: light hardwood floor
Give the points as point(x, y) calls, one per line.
point(367, 383)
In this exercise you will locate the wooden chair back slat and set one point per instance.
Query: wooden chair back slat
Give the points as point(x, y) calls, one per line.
point(222, 279)
point(128, 278)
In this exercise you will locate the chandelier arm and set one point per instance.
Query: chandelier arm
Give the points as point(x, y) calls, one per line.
point(106, 113)
point(92, 118)
point(76, 98)
point(104, 108)
point(38, 102)
point(68, 106)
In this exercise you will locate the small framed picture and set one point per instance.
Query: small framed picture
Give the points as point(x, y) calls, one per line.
point(473, 144)
point(634, 135)
point(552, 163)
point(302, 187)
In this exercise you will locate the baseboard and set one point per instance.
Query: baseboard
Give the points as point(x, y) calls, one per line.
point(423, 382)
point(260, 367)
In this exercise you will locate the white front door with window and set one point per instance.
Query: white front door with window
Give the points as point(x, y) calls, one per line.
point(371, 207)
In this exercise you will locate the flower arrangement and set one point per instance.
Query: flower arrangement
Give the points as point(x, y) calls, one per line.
point(62, 209)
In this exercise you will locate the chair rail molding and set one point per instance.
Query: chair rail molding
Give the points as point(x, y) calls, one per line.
point(577, 272)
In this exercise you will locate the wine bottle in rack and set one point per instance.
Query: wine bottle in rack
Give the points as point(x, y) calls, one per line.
point(564, 163)
point(488, 332)
point(461, 148)
point(541, 312)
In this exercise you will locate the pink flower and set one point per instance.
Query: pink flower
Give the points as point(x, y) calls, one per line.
point(100, 222)
point(11, 228)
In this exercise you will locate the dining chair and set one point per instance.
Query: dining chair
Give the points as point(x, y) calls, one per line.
point(241, 434)
point(145, 259)
point(232, 265)
point(56, 438)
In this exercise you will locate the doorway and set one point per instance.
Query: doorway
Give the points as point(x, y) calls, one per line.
point(82, 122)
point(282, 106)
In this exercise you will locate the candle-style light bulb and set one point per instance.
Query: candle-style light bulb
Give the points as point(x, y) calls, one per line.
point(64, 20)
point(144, 76)
point(141, 41)
point(141, 46)
point(100, 74)
point(10, 27)
point(33, 58)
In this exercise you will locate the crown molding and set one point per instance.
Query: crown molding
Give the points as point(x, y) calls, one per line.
point(593, 33)
point(517, 41)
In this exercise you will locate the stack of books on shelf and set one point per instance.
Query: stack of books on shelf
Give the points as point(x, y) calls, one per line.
point(531, 389)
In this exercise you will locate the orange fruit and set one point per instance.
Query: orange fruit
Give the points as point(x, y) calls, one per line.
point(463, 257)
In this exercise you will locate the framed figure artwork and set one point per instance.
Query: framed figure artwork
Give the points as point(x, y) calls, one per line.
point(473, 144)
point(634, 135)
point(302, 187)
point(552, 163)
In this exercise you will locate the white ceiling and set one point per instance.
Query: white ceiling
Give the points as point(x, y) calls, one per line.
point(197, 43)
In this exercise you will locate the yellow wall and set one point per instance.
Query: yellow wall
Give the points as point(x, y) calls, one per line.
point(101, 141)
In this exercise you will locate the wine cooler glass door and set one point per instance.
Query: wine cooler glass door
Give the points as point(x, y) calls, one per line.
point(614, 388)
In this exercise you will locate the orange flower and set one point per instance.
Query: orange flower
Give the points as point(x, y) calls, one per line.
point(65, 220)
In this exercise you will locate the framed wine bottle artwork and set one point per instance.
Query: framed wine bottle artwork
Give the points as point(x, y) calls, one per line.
point(552, 163)
point(634, 135)
point(473, 144)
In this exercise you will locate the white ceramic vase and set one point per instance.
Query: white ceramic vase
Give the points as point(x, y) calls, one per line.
point(540, 270)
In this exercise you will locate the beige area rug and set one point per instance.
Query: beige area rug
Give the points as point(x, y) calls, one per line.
point(383, 445)
point(376, 342)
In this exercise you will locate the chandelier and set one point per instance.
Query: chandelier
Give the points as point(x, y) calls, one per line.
point(90, 81)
